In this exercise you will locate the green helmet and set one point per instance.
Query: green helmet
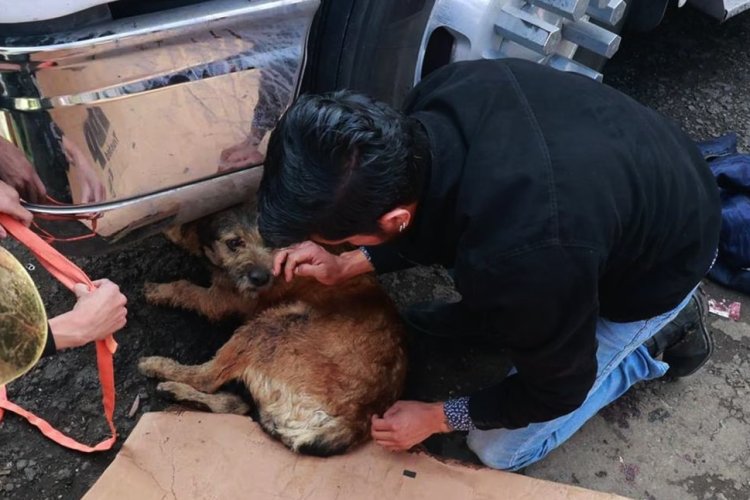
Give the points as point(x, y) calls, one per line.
point(23, 321)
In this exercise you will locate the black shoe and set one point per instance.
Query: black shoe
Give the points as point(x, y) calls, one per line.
point(442, 319)
point(685, 343)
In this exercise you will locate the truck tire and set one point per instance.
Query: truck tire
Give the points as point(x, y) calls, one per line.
point(383, 47)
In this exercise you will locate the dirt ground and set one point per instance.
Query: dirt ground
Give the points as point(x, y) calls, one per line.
point(685, 439)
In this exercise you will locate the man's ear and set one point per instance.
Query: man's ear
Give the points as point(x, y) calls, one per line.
point(395, 221)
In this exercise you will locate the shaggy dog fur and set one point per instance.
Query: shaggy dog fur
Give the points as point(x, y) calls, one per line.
point(317, 360)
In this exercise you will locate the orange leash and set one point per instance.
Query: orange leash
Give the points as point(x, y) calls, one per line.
point(46, 236)
point(69, 275)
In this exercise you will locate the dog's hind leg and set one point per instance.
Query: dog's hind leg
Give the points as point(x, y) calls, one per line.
point(221, 402)
point(229, 364)
point(207, 377)
point(214, 303)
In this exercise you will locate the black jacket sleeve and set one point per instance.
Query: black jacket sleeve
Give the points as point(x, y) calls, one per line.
point(386, 258)
point(49, 348)
point(543, 304)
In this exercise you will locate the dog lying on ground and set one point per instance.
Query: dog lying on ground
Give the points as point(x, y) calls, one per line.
point(319, 361)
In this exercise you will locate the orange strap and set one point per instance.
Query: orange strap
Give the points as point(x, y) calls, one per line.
point(69, 275)
point(46, 236)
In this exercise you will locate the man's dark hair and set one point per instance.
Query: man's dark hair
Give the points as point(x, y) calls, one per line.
point(335, 164)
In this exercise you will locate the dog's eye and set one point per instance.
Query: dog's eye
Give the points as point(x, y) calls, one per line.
point(235, 243)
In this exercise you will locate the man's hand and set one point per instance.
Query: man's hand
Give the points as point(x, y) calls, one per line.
point(97, 314)
point(312, 260)
point(10, 204)
point(16, 171)
point(408, 423)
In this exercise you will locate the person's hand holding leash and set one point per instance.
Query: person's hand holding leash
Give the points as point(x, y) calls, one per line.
point(97, 314)
point(312, 260)
point(408, 423)
point(10, 203)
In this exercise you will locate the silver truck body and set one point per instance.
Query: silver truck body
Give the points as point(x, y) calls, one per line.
point(155, 120)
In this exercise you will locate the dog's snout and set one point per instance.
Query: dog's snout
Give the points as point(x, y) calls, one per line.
point(259, 276)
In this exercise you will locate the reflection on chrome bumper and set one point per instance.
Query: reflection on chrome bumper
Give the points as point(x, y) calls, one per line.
point(113, 225)
point(114, 119)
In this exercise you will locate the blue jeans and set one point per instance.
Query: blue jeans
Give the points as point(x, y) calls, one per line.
point(622, 361)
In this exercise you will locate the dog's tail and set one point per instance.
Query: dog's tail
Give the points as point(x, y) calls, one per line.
point(322, 447)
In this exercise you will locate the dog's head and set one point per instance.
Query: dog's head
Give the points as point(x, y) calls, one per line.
point(230, 240)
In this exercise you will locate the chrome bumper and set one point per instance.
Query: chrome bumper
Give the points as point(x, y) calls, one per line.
point(154, 120)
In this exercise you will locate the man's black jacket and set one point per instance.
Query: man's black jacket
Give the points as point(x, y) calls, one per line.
point(557, 200)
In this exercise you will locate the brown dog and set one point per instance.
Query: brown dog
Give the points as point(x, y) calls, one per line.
point(318, 361)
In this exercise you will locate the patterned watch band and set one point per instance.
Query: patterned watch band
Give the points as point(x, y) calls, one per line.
point(457, 414)
point(366, 252)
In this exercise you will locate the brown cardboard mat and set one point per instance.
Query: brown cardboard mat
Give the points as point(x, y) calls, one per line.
point(205, 456)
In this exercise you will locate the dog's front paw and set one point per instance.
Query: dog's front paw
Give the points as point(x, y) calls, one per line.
point(157, 293)
point(155, 366)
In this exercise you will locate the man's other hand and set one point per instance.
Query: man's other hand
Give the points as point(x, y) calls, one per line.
point(408, 423)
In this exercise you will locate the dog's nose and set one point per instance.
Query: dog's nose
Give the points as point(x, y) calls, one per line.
point(259, 276)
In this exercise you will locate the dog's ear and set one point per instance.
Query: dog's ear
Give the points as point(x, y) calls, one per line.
point(209, 253)
point(205, 234)
point(186, 237)
point(247, 213)
point(251, 207)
